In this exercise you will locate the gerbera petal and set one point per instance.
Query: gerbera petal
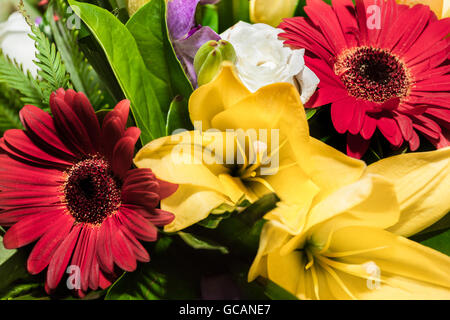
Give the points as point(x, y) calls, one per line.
point(16, 198)
point(22, 144)
point(405, 125)
point(10, 216)
point(61, 258)
point(121, 250)
point(139, 251)
point(45, 248)
point(123, 155)
point(29, 229)
point(146, 199)
point(104, 251)
point(390, 130)
point(323, 15)
point(70, 127)
point(87, 116)
point(138, 225)
point(434, 32)
point(40, 128)
point(368, 128)
point(342, 114)
point(356, 145)
point(166, 189)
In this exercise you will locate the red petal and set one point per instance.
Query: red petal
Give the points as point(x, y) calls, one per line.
point(368, 128)
point(61, 258)
point(123, 156)
point(122, 253)
point(140, 227)
point(356, 146)
point(87, 116)
point(29, 229)
point(104, 251)
point(70, 127)
point(342, 114)
point(40, 128)
point(166, 189)
point(45, 248)
point(390, 131)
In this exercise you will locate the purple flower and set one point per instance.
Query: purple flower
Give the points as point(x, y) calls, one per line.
point(187, 37)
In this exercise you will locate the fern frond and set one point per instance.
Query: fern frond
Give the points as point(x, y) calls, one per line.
point(13, 76)
point(52, 70)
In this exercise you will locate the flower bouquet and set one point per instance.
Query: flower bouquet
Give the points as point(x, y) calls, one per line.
point(233, 149)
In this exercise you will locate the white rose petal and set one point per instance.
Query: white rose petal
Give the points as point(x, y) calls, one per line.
point(16, 44)
point(262, 59)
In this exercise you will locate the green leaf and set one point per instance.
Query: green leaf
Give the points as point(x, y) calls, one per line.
point(149, 28)
point(310, 113)
point(178, 116)
point(200, 243)
point(128, 67)
point(440, 242)
point(171, 274)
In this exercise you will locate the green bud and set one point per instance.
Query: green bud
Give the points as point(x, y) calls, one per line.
point(209, 58)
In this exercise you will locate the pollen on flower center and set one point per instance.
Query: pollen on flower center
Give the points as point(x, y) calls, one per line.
point(91, 192)
point(372, 74)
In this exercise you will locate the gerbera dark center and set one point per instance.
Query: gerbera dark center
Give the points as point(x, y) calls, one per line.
point(372, 74)
point(91, 192)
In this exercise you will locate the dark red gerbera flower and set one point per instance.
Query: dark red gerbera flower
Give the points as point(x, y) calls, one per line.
point(381, 65)
point(67, 182)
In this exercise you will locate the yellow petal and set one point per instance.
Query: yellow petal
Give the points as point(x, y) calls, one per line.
point(370, 201)
point(190, 205)
point(210, 99)
point(276, 106)
point(406, 266)
point(180, 159)
point(271, 11)
point(422, 184)
point(332, 169)
point(271, 238)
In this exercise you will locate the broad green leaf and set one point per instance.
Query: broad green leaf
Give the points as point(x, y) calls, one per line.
point(178, 116)
point(149, 29)
point(200, 243)
point(128, 66)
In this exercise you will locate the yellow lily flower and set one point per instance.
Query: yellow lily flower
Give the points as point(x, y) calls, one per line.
point(422, 183)
point(271, 12)
point(440, 7)
point(278, 157)
point(344, 253)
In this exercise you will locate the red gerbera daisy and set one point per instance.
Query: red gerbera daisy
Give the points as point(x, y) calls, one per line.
point(67, 183)
point(381, 65)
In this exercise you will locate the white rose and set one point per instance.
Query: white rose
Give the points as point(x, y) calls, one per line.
point(15, 42)
point(262, 59)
